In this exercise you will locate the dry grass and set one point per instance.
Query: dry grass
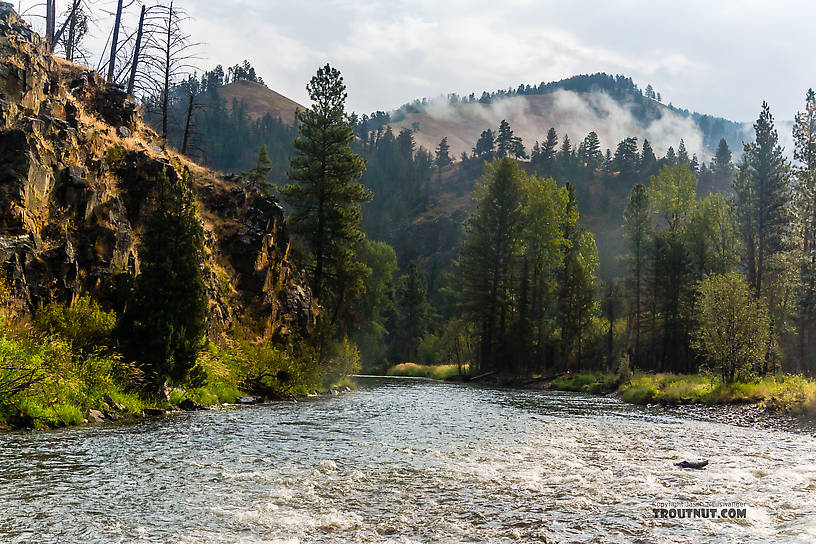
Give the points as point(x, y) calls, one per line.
point(259, 100)
point(436, 372)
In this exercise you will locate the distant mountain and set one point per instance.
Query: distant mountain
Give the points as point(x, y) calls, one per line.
point(612, 106)
point(259, 100)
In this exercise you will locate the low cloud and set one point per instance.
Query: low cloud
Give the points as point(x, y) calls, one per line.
point(570, 113)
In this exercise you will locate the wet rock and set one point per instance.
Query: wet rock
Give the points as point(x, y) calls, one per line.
point(698, 465)
point(153, 412)
point(20, 420)
point(95, 416)
point(189, 405)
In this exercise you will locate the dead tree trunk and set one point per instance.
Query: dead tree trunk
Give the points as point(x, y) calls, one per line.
point(187, 124)
point(50, 24)
point(137, 49)
point(167, 68)
point(114, 42)
point(70, 22)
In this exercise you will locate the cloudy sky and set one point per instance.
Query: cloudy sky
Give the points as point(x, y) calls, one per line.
point(721, 57)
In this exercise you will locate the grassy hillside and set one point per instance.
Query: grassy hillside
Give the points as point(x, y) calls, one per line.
point(259, 100)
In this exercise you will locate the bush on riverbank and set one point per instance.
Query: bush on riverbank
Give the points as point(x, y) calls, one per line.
point(63, 364)
point(45, 382)
point(596, 384)
point(436, 372)
point(785, 393)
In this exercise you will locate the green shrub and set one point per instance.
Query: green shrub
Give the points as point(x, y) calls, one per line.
point(83, 324)
point(436, 372)
point(574, 382)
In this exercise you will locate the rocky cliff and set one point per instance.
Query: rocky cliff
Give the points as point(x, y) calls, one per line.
point(70, 219)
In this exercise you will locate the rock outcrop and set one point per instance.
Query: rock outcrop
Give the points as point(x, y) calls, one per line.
point(70, 222)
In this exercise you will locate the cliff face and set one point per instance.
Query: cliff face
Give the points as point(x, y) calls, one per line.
point(69, 222)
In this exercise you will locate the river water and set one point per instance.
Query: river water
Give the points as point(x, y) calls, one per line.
point(408, 461)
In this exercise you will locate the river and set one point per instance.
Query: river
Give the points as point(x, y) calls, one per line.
point(408, 461)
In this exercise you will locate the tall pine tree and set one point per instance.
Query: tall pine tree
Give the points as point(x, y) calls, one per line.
point(325, 196)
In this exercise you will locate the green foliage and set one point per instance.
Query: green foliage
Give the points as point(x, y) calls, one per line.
point(573, 382)
point(713, 236)
point(804, 134)
point(672, 193)
point(82, 324)
point(435, 372)
point(257, 178)
point(163, 325)
point(443, 157)
point(343, 360)
point(732, 330)
point(764, 197)
point(527, 272)
point(376, 303)
point(412, 313)
point(576, 297)
point(326, 196)
point(489, 254)
point(637, 230)
point(783, 393)
point(46, 382)
point(115, 158)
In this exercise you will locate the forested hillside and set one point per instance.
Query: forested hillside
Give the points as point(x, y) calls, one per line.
point(612, 106)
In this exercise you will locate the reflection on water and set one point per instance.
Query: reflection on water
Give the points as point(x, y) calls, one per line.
point(407, 461)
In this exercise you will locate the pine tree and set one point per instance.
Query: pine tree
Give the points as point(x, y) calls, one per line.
point(722, 169)
point(325, 196)
point(609, 163)
point(626, 158)
point(576, 300)
point(443, 157)
point(548, 154)
point(163, 325)
point(258, 177)
point(412, 311)
point(763, 195)
point(648, 161)
point(566, 159)
point(671, 158)
point(804, 135)
point(694, 164)
point(592, 151)
point(488, 254)
point(486, 145)
point(504, 141)
point(682, 154)
point(637, 230)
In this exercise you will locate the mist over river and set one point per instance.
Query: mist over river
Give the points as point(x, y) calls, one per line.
point(408, 461)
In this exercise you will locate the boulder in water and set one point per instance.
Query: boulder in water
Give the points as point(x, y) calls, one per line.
point(699, 465)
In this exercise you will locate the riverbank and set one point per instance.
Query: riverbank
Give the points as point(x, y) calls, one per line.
point(435, 372)
point(118, 407)
point(784, 394)
point(58, 371)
